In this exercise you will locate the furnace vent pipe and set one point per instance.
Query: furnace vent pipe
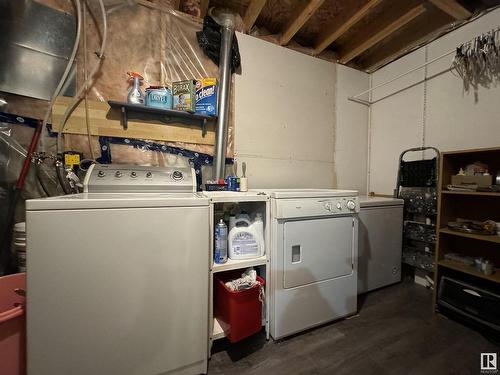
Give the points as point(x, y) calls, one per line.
point(227, 32)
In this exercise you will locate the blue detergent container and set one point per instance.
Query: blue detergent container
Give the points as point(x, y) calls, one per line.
point(159, 97)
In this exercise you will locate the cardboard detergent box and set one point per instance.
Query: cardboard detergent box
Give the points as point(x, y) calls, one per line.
point(184, 95)
point(206, 96)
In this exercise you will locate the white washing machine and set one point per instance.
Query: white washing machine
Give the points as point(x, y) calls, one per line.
point(117, 277)
point(314, 236)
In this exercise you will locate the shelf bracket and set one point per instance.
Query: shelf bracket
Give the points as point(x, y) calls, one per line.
point(204, 128)
point(124, 118)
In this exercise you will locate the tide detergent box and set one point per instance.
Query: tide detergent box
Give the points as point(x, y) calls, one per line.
point(206, 96)
point(184, 95)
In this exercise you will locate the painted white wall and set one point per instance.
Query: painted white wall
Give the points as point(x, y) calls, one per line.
point(436, 113)
point(286, 129)
point(351, 135)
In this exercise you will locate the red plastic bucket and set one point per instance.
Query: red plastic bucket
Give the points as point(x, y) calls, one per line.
point(239, 311)
point(12, 325)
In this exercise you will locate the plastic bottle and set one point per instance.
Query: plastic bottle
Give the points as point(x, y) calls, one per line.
point(135, 95)
point(246, 239)
point(220, 248)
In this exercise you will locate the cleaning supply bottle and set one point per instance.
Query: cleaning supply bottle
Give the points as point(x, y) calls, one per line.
point(135, 95)
point(220, 246)
point(246, 239)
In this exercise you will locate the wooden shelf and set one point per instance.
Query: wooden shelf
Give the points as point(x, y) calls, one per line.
point(471, 205)
point(480, 193)
point(482, 237)
point(470, 270)
point(165, 115)
point(236, 264)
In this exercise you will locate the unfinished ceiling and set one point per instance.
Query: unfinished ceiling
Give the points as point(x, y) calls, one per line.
point(364, 34)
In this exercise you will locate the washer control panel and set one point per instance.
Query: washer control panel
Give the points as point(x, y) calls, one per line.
point(310, 207)
point(116, 178)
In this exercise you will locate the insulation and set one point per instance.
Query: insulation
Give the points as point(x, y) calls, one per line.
point(154, 40)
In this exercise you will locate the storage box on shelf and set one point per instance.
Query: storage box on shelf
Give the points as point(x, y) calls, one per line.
point(472, 205)
point(223, 202)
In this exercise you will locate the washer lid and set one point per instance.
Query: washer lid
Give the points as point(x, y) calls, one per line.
point(309, 193)
point(365, 201)
point(117, 200)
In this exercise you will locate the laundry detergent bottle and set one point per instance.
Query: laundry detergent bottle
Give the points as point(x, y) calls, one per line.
point(246, 238)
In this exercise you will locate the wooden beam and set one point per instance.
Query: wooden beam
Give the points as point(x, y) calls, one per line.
point(204, 4)
point(298, 20)
point(403, 41)
point(358, 47)
point(252, 12)
point(338, 29)
point(453, 8)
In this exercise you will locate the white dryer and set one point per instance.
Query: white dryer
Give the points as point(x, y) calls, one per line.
point(117, 277)
point(313, 258)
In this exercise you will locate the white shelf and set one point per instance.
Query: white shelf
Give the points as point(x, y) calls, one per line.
point(218, 332)
point(236, 264)
point(235, 196)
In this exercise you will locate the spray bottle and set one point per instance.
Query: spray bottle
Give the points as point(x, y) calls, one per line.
point(135, 95)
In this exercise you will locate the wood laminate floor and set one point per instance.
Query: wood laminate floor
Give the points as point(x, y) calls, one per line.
point(394, 333)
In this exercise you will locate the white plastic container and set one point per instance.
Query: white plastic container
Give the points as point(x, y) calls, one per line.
point(19, 245)
point(246, 238)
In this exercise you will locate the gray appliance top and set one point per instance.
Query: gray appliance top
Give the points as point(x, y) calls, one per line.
point(308, 193)
point(366, 201)
point(117, 200)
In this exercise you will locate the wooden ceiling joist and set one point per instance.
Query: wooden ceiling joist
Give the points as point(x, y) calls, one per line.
point(299, 18)
point(252, 12)
point(453, 8)
point(405, 40)
point(338, 29)
point(380, 33)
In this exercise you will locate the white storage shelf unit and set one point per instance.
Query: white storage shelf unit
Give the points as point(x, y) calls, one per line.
point(251, 202)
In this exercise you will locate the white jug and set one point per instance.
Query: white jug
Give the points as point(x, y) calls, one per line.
point(246, 239)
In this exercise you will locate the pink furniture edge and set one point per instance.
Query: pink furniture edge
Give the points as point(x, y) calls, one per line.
point(12, 325)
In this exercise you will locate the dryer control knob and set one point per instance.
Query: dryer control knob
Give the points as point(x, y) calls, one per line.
point(351, 205)
point(118, 174)
point(339, 205)
point(328, 206)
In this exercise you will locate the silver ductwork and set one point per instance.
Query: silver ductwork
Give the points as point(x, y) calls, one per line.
point(226, 21)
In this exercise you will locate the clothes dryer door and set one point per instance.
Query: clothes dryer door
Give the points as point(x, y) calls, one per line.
point(317, 249)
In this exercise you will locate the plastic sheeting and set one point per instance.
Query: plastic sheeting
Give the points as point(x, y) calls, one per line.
point(14, 140)
point(157, 42)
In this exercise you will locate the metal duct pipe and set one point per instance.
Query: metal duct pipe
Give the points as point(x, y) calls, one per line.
point(227, 33)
